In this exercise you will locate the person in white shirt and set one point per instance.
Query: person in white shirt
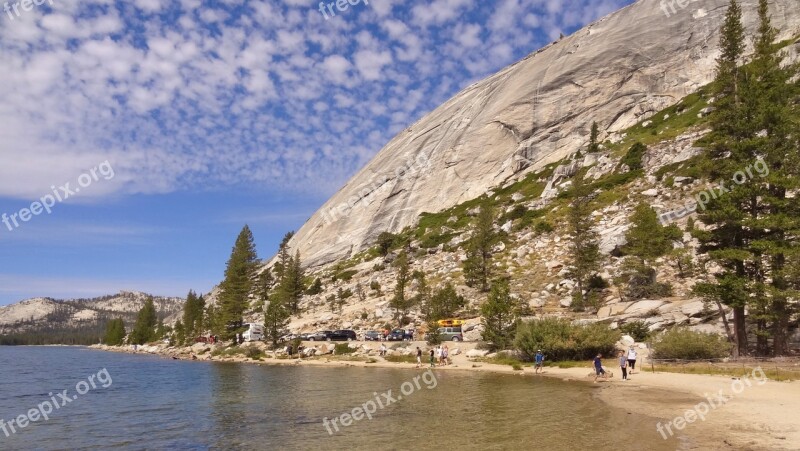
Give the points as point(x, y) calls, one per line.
point(632, 358)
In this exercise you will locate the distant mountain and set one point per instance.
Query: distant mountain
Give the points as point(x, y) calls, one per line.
point(76, 321)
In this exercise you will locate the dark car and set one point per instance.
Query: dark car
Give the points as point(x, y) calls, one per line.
point(373, 335)
point(322, 335)
point(400, 335)
point(343, 335)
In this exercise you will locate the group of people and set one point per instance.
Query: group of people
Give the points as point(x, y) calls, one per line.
point(627, 359)
point(440, 355)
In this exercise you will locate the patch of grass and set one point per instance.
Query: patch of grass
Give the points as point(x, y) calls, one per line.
point(776, 374)
point(345, 275)
point(401, 358)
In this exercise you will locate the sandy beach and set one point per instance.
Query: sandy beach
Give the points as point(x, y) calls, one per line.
point(702, 411)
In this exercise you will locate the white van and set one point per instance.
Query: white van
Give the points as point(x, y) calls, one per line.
point(254, 332)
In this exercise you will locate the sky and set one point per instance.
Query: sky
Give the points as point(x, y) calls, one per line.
point(138, 137)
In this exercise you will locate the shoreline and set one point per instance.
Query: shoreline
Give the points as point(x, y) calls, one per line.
point(759, 414)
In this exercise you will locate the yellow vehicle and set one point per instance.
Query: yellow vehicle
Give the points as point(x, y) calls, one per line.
point(450, 322)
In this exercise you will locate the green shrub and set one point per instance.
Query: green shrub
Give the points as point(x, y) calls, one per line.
point(637, 329)
point(345, 275)
point(254, 353)
point(543, 227)
point(682, 343)
point(343, 348)
point(633, 159)
point(559, 339)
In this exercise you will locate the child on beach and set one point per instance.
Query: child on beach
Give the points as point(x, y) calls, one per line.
point(538, 361)
point(623, 365)
point(598, 368)
point(419, 357)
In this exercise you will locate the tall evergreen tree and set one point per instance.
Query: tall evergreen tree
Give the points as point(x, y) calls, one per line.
point(401, 302)
point(276, 317)
point(115, 332)
point(146, 322)
point(583, 250)
point(594, 146)
point(235, 289)
point(500, 315)
point(284, 256)
point(478, 265)
point(752, 228)
point(192, 317)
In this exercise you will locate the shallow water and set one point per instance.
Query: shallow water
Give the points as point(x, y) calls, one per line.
point(153, 403)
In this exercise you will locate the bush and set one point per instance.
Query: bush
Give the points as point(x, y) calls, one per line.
point(345, 275)
point(682, 343)
point(637, 329)
point(543, 227)
point(559, 339)
point(254, 353)
point(633, 159)
point(343, 348)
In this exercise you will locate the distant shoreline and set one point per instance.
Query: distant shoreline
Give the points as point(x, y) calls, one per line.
point(760, 417)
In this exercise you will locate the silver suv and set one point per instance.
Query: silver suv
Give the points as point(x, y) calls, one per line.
point(450, 333)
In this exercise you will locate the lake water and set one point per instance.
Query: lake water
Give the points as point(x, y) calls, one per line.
point(153, 403)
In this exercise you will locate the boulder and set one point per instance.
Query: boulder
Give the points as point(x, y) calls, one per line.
point(475, 353)
point(643, 308)
point(565, 302)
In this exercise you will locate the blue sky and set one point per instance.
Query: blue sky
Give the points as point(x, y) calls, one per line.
point(177, 122)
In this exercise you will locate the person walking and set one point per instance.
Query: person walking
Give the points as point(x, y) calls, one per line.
point(632, 358)
point(445, 355)
point(538, 360)
point(438, 354)
point(383, 350)
point(623, 365)
point(598, 368)
point(432, 361)
point(419, 357)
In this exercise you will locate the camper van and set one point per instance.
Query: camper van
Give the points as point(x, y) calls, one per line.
point(254, 332)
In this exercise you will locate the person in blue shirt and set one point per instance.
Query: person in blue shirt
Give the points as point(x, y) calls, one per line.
point(598, 368)
point(538, 361)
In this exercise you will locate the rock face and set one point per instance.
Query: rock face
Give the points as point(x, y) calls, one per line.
point(615, 71)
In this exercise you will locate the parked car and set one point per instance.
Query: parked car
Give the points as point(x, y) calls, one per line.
point(322, 335)
point(400, 335)
point(373, 335)
point(450, 333)
point(288, 337)
point(343, 335)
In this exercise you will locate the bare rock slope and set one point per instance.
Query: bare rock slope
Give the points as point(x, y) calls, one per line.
point(615, 71)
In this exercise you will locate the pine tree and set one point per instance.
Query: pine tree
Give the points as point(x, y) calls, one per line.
point(180, 333)
point(276, 318)
point(583, 250)
point(772, 94)
point(284, 256)
point(646, 238)
point(726, 238)
point(478, 265)
point(401, 302)
point(144, 329)
point(192, 317)
point(115, 332)
point(594, 146)
point(235, 289)
point(499, 316)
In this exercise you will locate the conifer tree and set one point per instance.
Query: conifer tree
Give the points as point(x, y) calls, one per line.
point(115, 332)
point(594, 146)
point(478, 265)
point(583, 250)
point(500, 315)
point(401, 302)
point(144, 329)
point(276, 316)
point(192, 317)
point(235, 289)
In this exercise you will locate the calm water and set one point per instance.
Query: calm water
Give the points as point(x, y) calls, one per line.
point(153, 403)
